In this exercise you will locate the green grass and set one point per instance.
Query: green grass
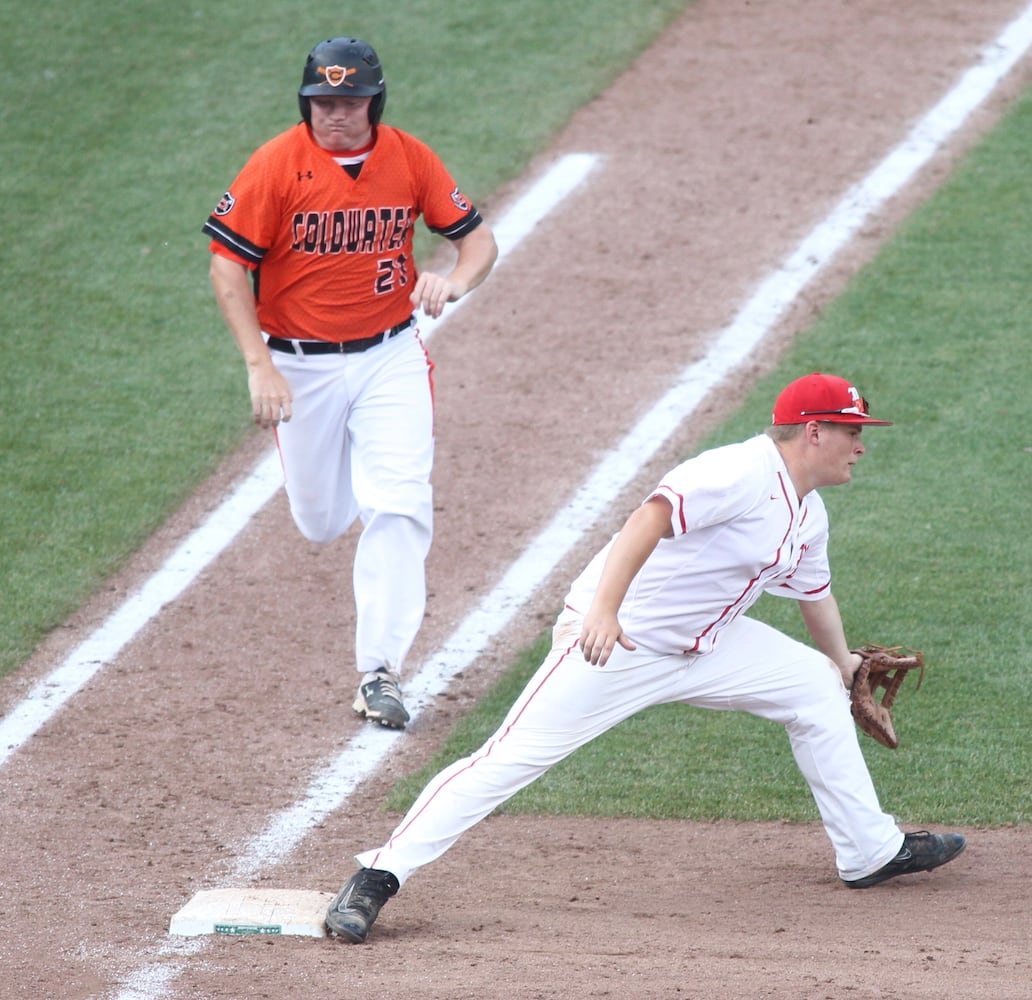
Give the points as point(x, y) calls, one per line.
point(930, 542)
point(121, 126)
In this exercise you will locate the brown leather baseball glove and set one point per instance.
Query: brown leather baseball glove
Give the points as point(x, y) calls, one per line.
point(882, 667)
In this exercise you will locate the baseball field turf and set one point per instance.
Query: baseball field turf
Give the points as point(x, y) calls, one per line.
point(123, 391)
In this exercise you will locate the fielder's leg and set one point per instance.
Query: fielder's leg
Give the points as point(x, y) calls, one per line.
point(755, 668)
point(567, 703)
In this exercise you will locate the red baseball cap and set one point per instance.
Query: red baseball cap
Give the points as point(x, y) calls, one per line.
point(822, 397)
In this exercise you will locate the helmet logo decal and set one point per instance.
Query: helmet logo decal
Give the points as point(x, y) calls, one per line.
point(336, 75)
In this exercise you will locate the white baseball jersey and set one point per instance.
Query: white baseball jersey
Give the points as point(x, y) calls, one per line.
point(735, 518)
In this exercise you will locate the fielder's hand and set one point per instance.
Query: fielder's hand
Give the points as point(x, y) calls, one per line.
point(599, 636)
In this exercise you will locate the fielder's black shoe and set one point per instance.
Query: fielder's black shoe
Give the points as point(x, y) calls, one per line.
point(921, 852)
point(379, 700)
point(352, 913)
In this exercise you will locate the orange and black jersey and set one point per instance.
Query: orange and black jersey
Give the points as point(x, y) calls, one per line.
point(333, 253)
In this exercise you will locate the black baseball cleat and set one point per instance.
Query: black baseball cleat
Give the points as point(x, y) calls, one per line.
point(921, 852)
point(379, 700)
point(358, 903)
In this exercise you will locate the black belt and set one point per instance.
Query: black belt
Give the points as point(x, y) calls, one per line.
point(337, 347)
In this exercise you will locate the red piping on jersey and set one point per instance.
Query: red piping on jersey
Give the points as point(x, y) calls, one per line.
point(734, 609)
point(682, 520)
point(476, 760)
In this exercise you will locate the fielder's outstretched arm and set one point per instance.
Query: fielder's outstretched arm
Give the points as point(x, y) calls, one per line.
point(636, 541)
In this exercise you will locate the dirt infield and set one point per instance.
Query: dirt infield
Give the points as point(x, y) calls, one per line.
point(722, 147)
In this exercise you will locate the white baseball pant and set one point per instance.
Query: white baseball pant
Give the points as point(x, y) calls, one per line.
point(754, 668)
point(360, 444)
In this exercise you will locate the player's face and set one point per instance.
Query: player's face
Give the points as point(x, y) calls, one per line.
point(841, 449)
point(341, 123)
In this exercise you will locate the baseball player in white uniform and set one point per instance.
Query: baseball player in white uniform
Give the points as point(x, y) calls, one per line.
point(658, 616)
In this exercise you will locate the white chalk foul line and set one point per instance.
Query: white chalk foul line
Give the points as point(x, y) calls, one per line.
point(50, 694)
point(222, 526)
point(524, 214)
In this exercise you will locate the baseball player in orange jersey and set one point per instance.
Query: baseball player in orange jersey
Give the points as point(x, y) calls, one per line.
point(659, 616)
point(313, 270)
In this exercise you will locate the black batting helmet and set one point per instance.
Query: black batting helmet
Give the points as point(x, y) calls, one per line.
point(343, 67)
